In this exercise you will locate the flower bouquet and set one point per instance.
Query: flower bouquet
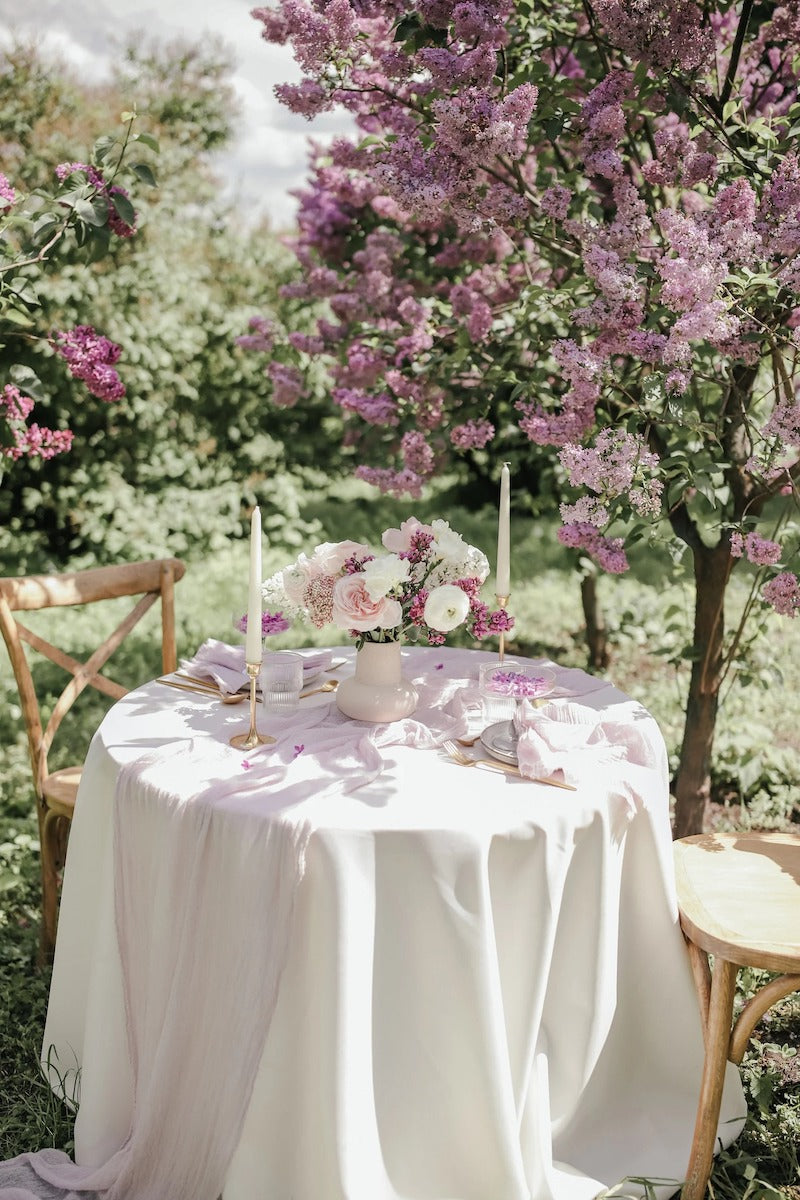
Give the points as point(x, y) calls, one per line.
point(424, 584)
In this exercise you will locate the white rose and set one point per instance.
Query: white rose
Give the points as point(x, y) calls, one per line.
point(446, 607)
point(383, 574)
point(448, 543)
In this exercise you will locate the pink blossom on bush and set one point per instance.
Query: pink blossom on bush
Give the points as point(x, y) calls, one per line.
point(473, 435)
point(7, 193)
point(287, 384)
point(262, 336)
point(28, 441)
point(90, 357)
point(759, 550)
point(783, 594)
point(611, 467)
point(417, 454)
point(607, 552)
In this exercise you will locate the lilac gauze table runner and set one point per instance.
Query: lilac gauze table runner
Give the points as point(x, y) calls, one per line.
point(241, 823)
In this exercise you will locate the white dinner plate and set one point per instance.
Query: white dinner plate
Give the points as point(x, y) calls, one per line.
point(495, 738)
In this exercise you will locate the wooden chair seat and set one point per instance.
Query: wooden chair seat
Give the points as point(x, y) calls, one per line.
point(60, 789)
point(55, 792)
point(739, 901)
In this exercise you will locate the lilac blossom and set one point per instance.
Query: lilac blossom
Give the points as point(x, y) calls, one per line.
point(90, 357)
point(783, 594)
point(7, 193)
point(759, 550)
point(28, 440)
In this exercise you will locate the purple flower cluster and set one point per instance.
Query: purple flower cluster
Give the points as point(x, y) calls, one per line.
point(7, 193)
point(608, 553)
point(473, 435)
point(91, 357)
point(783, 594)
point(262, 336)
point(31, 441)
point(271, 624)
point(611, 467)
point(759, 550)
point(517, 684)
point(287, 384)
point(621, 274)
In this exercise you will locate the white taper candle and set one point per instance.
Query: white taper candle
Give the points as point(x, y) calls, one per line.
point(503, 587)
point(253, 642)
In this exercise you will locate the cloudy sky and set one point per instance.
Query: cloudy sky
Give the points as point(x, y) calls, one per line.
point(268, 159)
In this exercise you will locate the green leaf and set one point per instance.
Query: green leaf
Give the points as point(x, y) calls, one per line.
point(27, 381)
point(124, 208)
point(145, 173)
point(25, 290)
point(406, 27)
point(97, 245)
point(44, 228)
point(148, 140)
point(16, 316)
point(102, 147)
point(92, 212)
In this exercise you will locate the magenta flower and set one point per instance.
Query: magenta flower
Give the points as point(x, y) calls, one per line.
point(271, 624)
point(91, 357)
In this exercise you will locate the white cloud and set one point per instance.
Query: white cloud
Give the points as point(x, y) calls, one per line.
point(269, 156)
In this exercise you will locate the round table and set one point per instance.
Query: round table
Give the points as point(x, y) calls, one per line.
point(484, 993)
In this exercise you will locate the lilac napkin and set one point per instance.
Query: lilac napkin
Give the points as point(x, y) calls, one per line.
point(565, 740)
point(225, 664)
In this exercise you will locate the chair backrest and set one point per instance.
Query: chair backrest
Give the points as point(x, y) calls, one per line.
point(24, 593)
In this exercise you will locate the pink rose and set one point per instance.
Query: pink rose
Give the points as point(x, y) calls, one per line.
point(353, 609)
point(399, 540)
point(326, 560)
point(330, 557)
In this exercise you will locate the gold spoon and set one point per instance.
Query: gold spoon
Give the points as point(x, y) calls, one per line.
point(329, 686)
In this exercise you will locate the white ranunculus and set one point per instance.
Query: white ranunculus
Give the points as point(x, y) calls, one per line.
point(447, 543)
point(383, 574)
point(446, 607)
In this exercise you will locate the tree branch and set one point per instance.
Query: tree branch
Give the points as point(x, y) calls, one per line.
point(738, 42)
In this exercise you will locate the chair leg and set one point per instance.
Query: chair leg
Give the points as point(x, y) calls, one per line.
point(51, 838)
point(718, 1036)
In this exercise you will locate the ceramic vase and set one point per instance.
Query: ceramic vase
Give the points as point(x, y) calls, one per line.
point(377, 692)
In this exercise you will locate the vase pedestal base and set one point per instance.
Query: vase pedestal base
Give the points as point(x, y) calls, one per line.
point(377, 692)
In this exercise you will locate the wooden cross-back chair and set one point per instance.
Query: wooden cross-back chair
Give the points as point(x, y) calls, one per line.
point(56, 791)
point(738, 901)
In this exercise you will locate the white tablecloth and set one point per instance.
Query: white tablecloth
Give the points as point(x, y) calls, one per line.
point(486, 995)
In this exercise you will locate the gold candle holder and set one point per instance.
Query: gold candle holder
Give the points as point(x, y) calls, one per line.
point(502, 602)
point(246, 741)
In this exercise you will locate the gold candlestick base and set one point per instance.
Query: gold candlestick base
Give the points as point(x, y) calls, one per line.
point(247, 741)
point(502, 602)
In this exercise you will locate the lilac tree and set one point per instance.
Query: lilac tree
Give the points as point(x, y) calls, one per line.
point(82, 210)
point(570, 224)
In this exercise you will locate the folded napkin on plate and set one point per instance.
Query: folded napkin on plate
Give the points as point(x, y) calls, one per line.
point(225, 664)
point(566, 740)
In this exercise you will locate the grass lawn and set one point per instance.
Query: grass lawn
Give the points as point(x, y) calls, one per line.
point(757, 771)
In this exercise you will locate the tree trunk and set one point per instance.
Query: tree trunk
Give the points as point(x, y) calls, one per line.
point(693, 780)
point(596, 637)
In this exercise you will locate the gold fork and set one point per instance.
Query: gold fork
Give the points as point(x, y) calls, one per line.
point(464, 760)
point(214, 693)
